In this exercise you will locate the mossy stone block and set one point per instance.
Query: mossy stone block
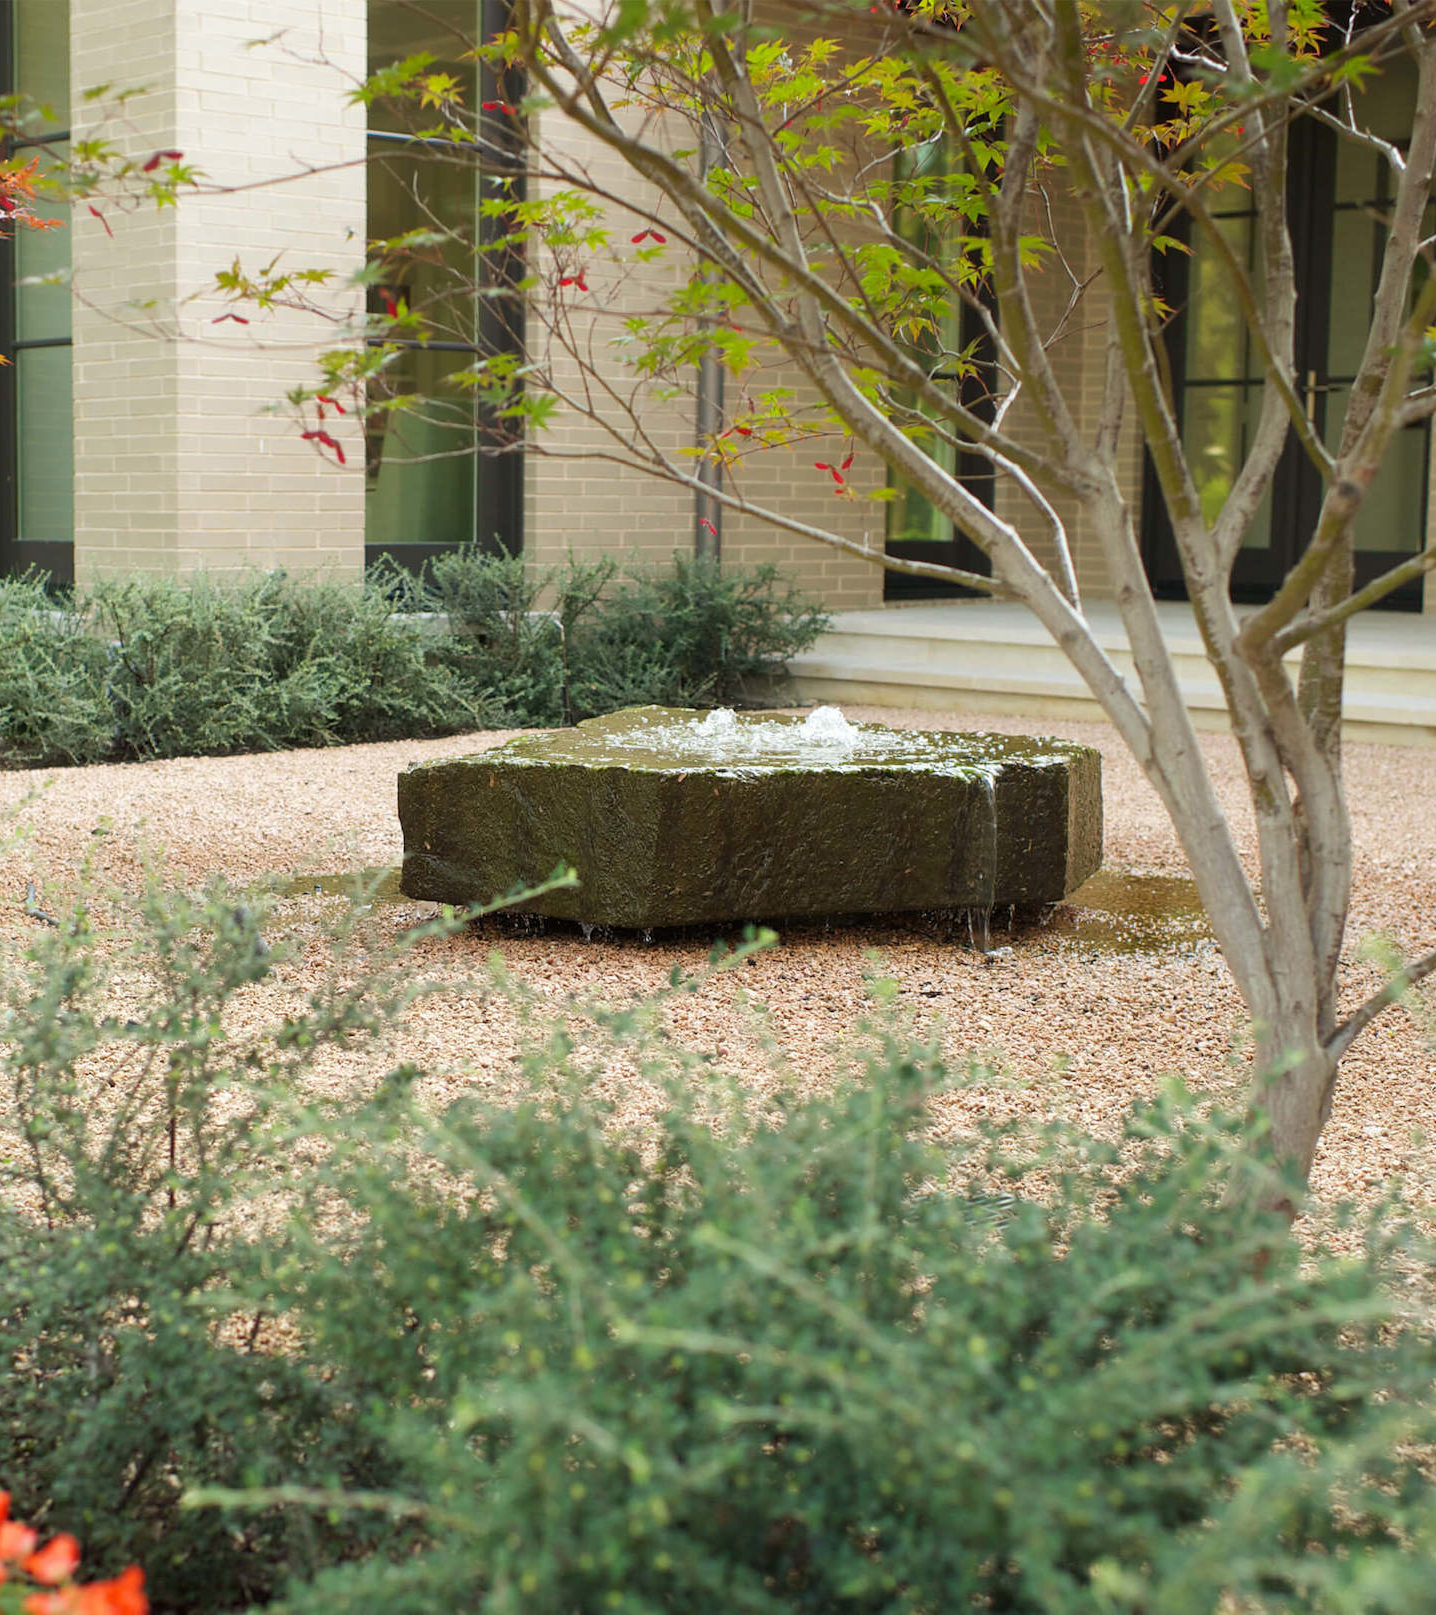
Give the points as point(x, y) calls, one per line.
point(669, 822)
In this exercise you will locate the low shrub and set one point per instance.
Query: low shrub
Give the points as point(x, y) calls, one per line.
point(154, 668)
point(716, 632)
point(692, 634)
point(53, 705)
point(205, 667)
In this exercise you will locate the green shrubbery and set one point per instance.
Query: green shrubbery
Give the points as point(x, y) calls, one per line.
point(692, 635)
point(753, 1354)
point(153, 668)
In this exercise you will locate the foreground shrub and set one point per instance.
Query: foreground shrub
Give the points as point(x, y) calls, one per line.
point(137, 1139)
point(800, 1362)
point(787, 1353)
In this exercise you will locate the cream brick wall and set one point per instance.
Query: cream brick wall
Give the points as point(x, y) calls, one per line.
point(177, 464)
point(578, 500)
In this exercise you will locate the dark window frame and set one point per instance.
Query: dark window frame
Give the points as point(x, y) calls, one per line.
point(17, 555)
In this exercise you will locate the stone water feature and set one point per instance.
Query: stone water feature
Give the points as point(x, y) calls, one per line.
point(674, 818)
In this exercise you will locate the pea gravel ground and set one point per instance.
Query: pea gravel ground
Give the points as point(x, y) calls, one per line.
point(1085, 1012)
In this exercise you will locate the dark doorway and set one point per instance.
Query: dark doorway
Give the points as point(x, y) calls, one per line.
point(1339, 195)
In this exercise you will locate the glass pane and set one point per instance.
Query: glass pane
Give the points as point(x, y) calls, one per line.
point(1217, 425)
point(422, 472)
point(42, 56)
point(1393, 514)
point(416, 189)
point(413, 498)
point(910, 516)
point(43, 311)
point(1216, 333)
point(1387, 102)
point(1356, 239)
point(446, 29)
point(1358, 172)
point(46, 443)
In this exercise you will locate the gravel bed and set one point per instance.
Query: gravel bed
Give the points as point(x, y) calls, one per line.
point(1084, 1013)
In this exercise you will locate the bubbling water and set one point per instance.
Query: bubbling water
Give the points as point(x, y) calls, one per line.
point(824, 727)
point(824, 735)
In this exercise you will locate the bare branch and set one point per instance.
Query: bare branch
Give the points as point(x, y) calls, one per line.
point(1310, 624)
point(1394, 990)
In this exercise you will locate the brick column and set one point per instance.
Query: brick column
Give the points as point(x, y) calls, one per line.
point(178, 467)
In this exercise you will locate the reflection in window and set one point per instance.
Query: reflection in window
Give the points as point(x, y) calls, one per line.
point(427, 487)
point(910, 515)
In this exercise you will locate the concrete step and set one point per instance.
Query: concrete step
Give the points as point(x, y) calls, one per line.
point(1397, 676)
point(994, 660)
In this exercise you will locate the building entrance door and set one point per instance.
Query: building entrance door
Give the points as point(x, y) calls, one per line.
point(1340, 194)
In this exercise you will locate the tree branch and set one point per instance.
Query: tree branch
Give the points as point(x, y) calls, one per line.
point(1355, 1024)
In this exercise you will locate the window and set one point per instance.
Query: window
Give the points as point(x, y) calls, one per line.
point(37, 468)
point(915, 530)
point(1339, 198)
point(441, 473)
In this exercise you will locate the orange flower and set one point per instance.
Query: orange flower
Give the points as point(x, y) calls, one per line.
point(17, 1541)
point(125, 1595)
point(55, 1562)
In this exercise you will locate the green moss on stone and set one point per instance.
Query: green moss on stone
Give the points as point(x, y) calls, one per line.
point(663, 833)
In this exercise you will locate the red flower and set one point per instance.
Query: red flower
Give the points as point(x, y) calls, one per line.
point(55, 1562)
